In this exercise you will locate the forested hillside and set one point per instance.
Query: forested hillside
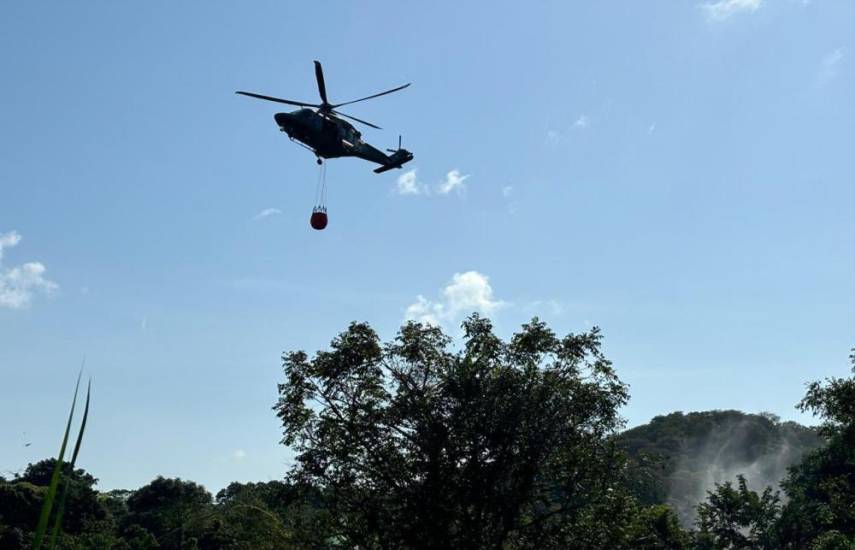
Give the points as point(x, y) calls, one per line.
point(677, 458)
point(685, 455)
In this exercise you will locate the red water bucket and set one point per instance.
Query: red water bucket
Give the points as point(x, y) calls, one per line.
point(318, 219)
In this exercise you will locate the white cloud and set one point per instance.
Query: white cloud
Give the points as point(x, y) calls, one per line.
point(424, 311)
point(723, 9)
point(265, 213)
point(470, 291)
point(239, 454)
point(8, 240)
point(507, 191)
point(408, 184)
point(453, 181)
point(553, 137)
point(651, 128)
point(18, 284)
point(829, 66)
point(832, 58)
point(144, 323)
point(582, 122)
point(465, 293)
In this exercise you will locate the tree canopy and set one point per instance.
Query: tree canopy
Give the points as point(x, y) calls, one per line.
point(418, 445)
point(821, 488)
point(517, 444)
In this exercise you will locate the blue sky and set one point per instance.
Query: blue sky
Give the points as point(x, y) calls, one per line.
point(680, 174)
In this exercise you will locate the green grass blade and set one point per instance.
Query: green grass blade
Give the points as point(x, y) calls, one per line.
point(60, 511)
point(54, 479)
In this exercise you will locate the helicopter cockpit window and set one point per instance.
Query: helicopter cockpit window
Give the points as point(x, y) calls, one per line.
point(350, 134)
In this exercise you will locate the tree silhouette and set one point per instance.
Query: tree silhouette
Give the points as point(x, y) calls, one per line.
point(415, 445)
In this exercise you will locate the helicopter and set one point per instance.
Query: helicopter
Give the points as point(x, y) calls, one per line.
point(325, 133)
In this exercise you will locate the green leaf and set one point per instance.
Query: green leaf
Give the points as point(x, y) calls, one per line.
point(41, 527)
point(61, 508)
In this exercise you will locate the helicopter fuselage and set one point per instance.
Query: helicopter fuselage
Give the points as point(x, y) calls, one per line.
point(328, 136)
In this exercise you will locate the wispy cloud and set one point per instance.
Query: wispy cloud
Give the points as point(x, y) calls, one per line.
point(265, 213)
point(554, 137)
point(829, 66)
point(510, 203)
point(18, 284)
point(408, 184)
point(453, 182)
point(539, 307)
point(8, 240)
point(465, 293)
point(724, 9)
point(558, 136)
point(239, 454)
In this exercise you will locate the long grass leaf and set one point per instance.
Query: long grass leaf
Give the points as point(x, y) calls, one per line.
point(60, 511)
point(41, 527)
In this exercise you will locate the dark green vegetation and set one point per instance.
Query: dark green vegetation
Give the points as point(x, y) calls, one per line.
point(411, 444)
point(166, 513)
point(682, 456)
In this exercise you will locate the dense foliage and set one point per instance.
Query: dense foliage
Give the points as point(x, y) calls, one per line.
point(678, 457)
point(507, 445)
point(821, 487)
point(496, 444)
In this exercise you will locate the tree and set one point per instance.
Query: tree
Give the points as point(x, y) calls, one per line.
point(655, 527)
point(164, 506)
point(138, 538)
point(11, 538)
point(494, 445)
point(738, 518)
point(821, 489)
point(20, 504)
point(40, 474)
point(834, 402)
point(281, 511)
point(83, 508)
point(115, 502)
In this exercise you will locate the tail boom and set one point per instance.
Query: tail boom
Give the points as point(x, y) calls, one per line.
point(396, 160)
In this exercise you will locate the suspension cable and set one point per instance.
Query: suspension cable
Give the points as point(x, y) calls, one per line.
point(320, 188)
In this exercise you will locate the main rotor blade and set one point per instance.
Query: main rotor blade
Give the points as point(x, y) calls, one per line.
point(357, 120)
point(278, 100)
point(373, 96)
point(322, 87)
